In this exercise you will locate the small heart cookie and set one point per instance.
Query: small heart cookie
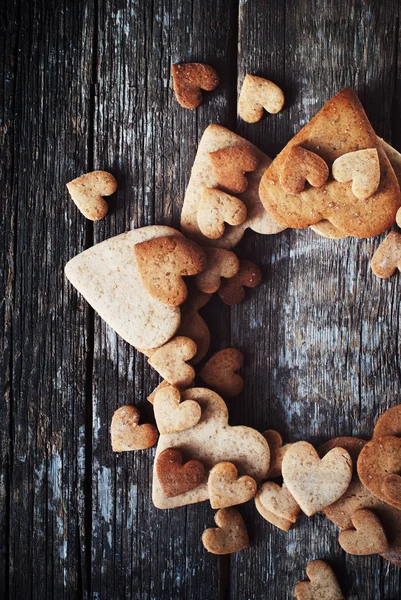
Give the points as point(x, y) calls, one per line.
point(387, 258)
point(220, 263)
point(173, 415)
point(163, 261)
point(277, 451)
point(279, 501)
point(217, 208)
point(389, 423)
point(175, 477)
point(229, 536)
point(269, 516)
point(88, 190)
point(170, 361)
point(367, 537)
point(302, 165)
point(379, 465)
point(188, 81)
point(323, 584)
point(226, 488)
point(316, 483)
point(249, 275)
point(219, 372)
point(127, 435)
point(230, 165)
point(362, 167)
point(258, 94)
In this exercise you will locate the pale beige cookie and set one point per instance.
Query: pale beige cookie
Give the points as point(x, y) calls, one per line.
point(230, 166)
point(192, 324)
point(389, 423)
point(107, 276)
point(219, 372)
point(277, 500)
point(277, 451)
point(217, 208)
point(163, 262)
point(282, 524)
point(323, 584)
point(88, 190)
point(379, 465)
point(163, 384)
point(258, 94)
point(226, 488)
point(249, 275)
point(170, 361)
point(362, 167)
point(229, 536)
point(316, 483)
point(127, 434)
point(301, 166)
point(387, 257)
point(215, 138)
point(176, 477)
point(171, 414)
point(244, 447)
point(220, 263)
point(188, 81)
point(367, 535)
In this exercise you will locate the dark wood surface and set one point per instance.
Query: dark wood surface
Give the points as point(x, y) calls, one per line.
point(86, 85)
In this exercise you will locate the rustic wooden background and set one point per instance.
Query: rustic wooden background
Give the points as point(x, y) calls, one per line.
point(86, 85)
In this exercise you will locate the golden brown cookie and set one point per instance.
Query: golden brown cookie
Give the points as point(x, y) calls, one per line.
point(277, 451)
point(88, 190)
point(217, 208)
point(163, 261)
point(220, 263)
point(277, 500)
point(389, 423)
point(226, 488)
point(188, 81)
point(325, 136)
point(175, 476)
point(230, 165)
point(249, 275)
point(219, 372)
point(170, 361)
point(379, 465)
point(387, 257)
point(322, 584)
point(269, 516)
point(258, 94)
point(229, 536)
point(171, 414)
point(367, 535)
point(127, 434)
point(301, 166)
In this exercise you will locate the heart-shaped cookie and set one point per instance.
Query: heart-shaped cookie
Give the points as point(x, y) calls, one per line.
point(173, 415)
point(220, 263)
point(170, 361)
point(229, 536)
point(219, 372)
point(323, 584)
point(379, 465)
point(188, 81)
point(249, 275)
point(226, 488)
point(387, 258)
point(175, 476)
point(162, 263)
point(217, 208)
point(269, 516)
point(244, 447)
point(362, 167)
point(389, 423)
point(258, 94)
point(192, 325)
point(302, 165)
point(88, 190)
point(127, 434)
point(316, 483)
point(230, 165)
point(367, 537)
point(277, 451)
point(279, 501)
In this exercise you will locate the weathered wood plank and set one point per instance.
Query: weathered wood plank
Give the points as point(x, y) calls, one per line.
point(320, 338)
point(148, 141)
point(49, 342)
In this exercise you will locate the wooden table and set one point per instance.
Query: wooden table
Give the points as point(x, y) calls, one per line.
point(86, 85)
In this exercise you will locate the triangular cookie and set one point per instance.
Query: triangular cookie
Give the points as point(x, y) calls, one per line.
point(216, 138)
point(340, 127)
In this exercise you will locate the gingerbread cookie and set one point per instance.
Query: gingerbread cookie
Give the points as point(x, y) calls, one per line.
point(127, 434)
point(322, 584)
point(176, 477)
point(249, 275)
point(367, 535)
point(188, 81)
point(88, 190)
point(226, 488)
point(258, 94)
point(170, 361)
point(230, 166)
point(217, 208)
point(379, 465)
point(229, 536)
point(301, 166)
point(220, 263)
point(171, 414)
point(387, 257)
point(277, 500)
point(219, 372)
point(269, 516)
point(389, 423)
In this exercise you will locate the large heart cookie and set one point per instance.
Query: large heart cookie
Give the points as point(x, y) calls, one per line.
point(215, 138)
point(107, 275)
point(316, 483)
point(244, 447)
